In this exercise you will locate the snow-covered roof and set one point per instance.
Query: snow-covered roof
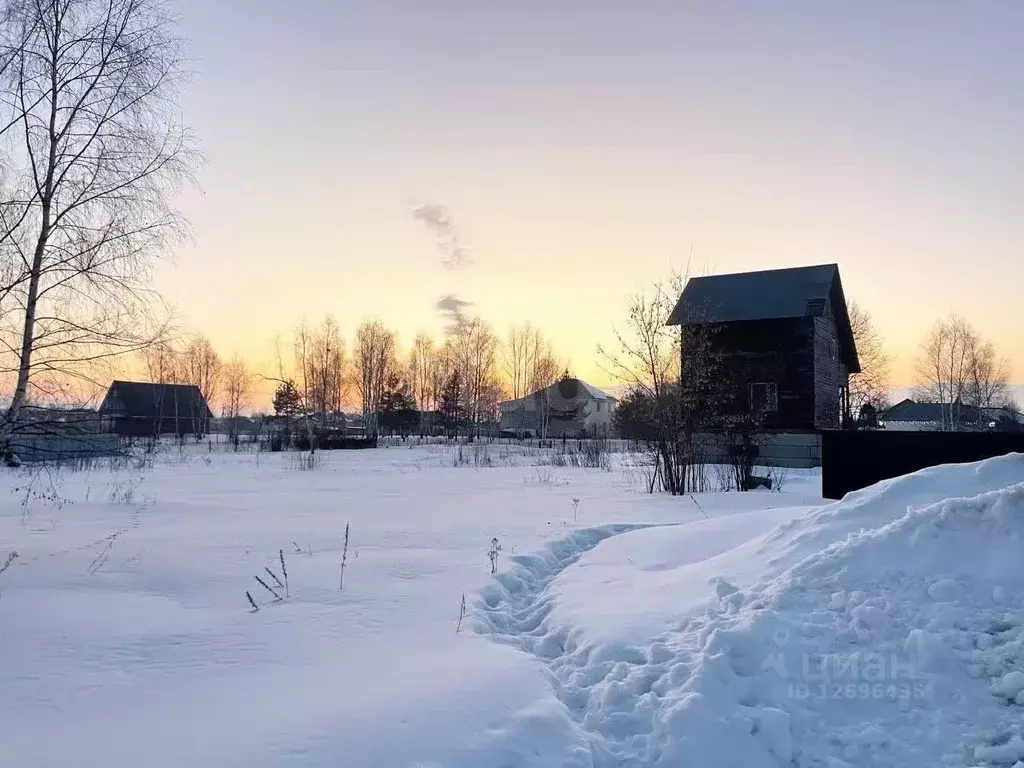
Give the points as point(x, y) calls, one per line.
point(597, 394)
point(567, 389)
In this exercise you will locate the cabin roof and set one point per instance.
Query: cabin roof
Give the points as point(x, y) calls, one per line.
point(144, 399)
point(771, 294)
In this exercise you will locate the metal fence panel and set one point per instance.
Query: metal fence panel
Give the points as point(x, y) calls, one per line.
point(52, 447)
point(854, 460)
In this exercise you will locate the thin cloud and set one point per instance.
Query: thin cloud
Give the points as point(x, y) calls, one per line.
point(438, 219)
point(452, 307)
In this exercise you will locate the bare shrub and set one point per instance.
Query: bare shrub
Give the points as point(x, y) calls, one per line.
point(123, 491)
point(544, 476)
point(492, 554)
point(638, 477)
point(724, 478)
point(307, 461)
point(779, 477)
point(558, 459)
point(595, 455)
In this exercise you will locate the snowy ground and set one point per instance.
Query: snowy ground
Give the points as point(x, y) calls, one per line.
point(760, 629)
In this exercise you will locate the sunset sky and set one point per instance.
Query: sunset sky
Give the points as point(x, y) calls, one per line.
point(583, 147)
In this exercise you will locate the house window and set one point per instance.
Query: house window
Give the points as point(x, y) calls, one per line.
point(764, 396)
point(598, 406)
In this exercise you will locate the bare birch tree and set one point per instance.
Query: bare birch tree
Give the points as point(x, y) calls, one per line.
point(89, 125)
point(871, 385)
point(421, 364)
point(528, 361)
point(201, 366)
point(515, 359)
point(372, 358)
point(163, 363)
point(543, 367)
point(324, 367)
point(646, 359)
point(988, 376)
point(443, 365)
point(943, 367)
point(957, 367)
point(302, 351)
point(529, 366)
point(677, 385)
point(238, 383)
point(476, 349)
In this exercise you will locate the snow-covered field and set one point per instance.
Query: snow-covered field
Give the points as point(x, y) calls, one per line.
point(622, 629)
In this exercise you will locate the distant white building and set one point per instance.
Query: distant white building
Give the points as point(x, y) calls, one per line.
point(570, 408)
point(910, 416)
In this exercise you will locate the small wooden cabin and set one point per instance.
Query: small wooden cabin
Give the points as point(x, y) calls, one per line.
point(141, 409)
point(784, 338)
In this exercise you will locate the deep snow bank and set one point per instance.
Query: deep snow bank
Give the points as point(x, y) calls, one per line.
point(883, 630)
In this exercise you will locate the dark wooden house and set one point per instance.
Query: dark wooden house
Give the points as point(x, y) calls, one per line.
point(140, 409)
point(783, 339)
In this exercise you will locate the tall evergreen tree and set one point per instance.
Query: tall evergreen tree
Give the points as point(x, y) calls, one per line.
point(287, 400)
point(452, 406)
point(397, 410)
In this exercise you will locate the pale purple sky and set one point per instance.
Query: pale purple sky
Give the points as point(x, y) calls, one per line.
point(583, 146)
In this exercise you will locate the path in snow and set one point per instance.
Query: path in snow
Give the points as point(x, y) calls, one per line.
point(623, 697)
point(607, 690)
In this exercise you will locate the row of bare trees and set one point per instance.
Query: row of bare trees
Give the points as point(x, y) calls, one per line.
point(319, 358)
point(459, 380)
point(958, 367)
point(529, 361)
point(194, 361)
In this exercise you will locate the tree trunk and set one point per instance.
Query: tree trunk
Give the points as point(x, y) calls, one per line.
point(28, 332)
point(32, 299)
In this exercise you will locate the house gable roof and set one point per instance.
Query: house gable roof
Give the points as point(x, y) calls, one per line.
point(568, 389)
point(773, 294)
point(137, 399)
point(927, 413)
